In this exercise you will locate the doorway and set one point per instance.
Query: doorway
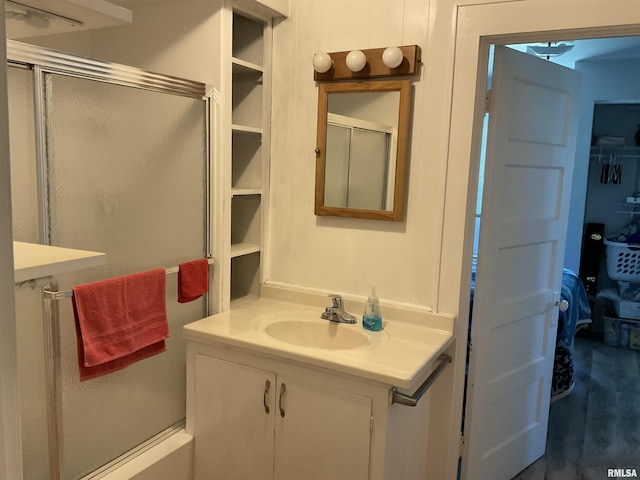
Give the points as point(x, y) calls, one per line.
point(584, 166)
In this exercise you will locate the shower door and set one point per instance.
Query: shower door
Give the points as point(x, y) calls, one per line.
point(127, 176)
point(115, 160)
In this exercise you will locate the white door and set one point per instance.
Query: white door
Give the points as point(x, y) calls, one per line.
point(529, 165)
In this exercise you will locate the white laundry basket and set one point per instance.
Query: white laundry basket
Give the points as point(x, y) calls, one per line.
point(623, 261)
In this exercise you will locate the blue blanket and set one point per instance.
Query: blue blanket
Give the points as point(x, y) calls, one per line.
point(573, 291)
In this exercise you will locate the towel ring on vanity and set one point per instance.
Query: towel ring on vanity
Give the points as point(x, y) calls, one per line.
point(412, 400)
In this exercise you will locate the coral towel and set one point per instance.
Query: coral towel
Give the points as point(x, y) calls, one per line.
point(120, 321)
point(193, 280)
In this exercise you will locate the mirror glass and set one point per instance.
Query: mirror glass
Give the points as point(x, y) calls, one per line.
point(362, 129)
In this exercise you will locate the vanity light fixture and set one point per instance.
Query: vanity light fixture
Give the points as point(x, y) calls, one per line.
point(392, 57)
point(385, 62)
point(322, 62)
point(356, 60)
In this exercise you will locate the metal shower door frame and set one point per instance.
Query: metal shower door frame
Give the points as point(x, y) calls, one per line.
point(45, 62)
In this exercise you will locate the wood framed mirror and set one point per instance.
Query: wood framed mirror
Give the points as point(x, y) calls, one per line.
point(361, 149)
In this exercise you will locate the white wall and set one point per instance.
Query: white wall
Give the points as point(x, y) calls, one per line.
point(603, 81)
point(339, 254)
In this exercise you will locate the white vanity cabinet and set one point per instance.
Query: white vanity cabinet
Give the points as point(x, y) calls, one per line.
point(254, 423)
point(270, 407)
point(332, 426)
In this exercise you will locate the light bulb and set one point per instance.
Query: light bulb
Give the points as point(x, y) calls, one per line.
point(356, 60)
point(322, 62)
point(392, 57)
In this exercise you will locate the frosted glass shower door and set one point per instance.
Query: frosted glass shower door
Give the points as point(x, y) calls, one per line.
point(128, 177)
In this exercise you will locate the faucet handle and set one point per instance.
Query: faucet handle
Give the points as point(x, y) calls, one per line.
point(337, 301)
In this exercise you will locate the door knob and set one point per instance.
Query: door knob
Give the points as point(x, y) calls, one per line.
point(563, 305)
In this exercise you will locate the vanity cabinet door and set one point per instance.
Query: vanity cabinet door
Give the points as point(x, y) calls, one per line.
point(321, 432)
point(233, 429)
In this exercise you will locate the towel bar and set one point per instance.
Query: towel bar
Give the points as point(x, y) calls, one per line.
point(51, 295)
point(412, 400)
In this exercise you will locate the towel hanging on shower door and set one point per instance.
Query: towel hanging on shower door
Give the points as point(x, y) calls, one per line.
point(120, 321)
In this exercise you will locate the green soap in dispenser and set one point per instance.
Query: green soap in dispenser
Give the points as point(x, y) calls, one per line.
point(372, 318)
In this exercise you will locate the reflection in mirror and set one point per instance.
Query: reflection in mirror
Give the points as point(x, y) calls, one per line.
point(361, 143)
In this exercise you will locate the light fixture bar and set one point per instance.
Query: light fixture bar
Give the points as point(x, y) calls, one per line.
point(374, 67)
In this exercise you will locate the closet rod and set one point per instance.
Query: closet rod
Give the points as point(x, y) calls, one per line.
point(52, 295)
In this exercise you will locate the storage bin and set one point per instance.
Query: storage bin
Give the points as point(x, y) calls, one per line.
point(623, 261)
point(621, 332)
point(627, 309)
point(634, 337)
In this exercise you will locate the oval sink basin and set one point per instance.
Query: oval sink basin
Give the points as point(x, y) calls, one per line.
point(329, 335)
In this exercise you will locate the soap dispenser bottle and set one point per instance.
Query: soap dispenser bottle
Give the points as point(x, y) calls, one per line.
point(372, 318)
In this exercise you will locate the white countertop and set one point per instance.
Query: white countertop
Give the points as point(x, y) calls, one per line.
point(32, 260)
point(399, 355)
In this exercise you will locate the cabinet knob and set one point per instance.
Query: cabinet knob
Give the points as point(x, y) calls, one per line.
point(283, 387)
point(267, 387)
point(317, 150)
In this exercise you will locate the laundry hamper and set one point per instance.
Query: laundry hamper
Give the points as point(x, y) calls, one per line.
point(623, 261)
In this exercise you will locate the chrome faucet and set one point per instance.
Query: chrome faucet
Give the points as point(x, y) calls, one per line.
point(336, 312)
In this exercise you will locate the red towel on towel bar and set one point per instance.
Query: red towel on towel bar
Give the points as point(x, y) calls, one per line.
point(120, 321)
point(193, 280)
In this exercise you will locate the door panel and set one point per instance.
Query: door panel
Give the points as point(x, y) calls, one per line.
point(233, 431)
point(321, 422)
point(529, 162)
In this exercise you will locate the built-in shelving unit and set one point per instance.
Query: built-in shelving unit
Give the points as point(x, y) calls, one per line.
point(250, 106)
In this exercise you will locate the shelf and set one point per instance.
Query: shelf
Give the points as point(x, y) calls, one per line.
point(245, 191)
point(246, 129)
point(245, 276)
point(620, 152)
point(245, 219)
point(33, 261)
point(239, 66)
point(241, 249)
point(248, 39)
point(246, 165)
point(246, 101)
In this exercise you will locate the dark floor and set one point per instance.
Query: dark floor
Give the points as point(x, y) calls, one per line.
point(597, 426)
